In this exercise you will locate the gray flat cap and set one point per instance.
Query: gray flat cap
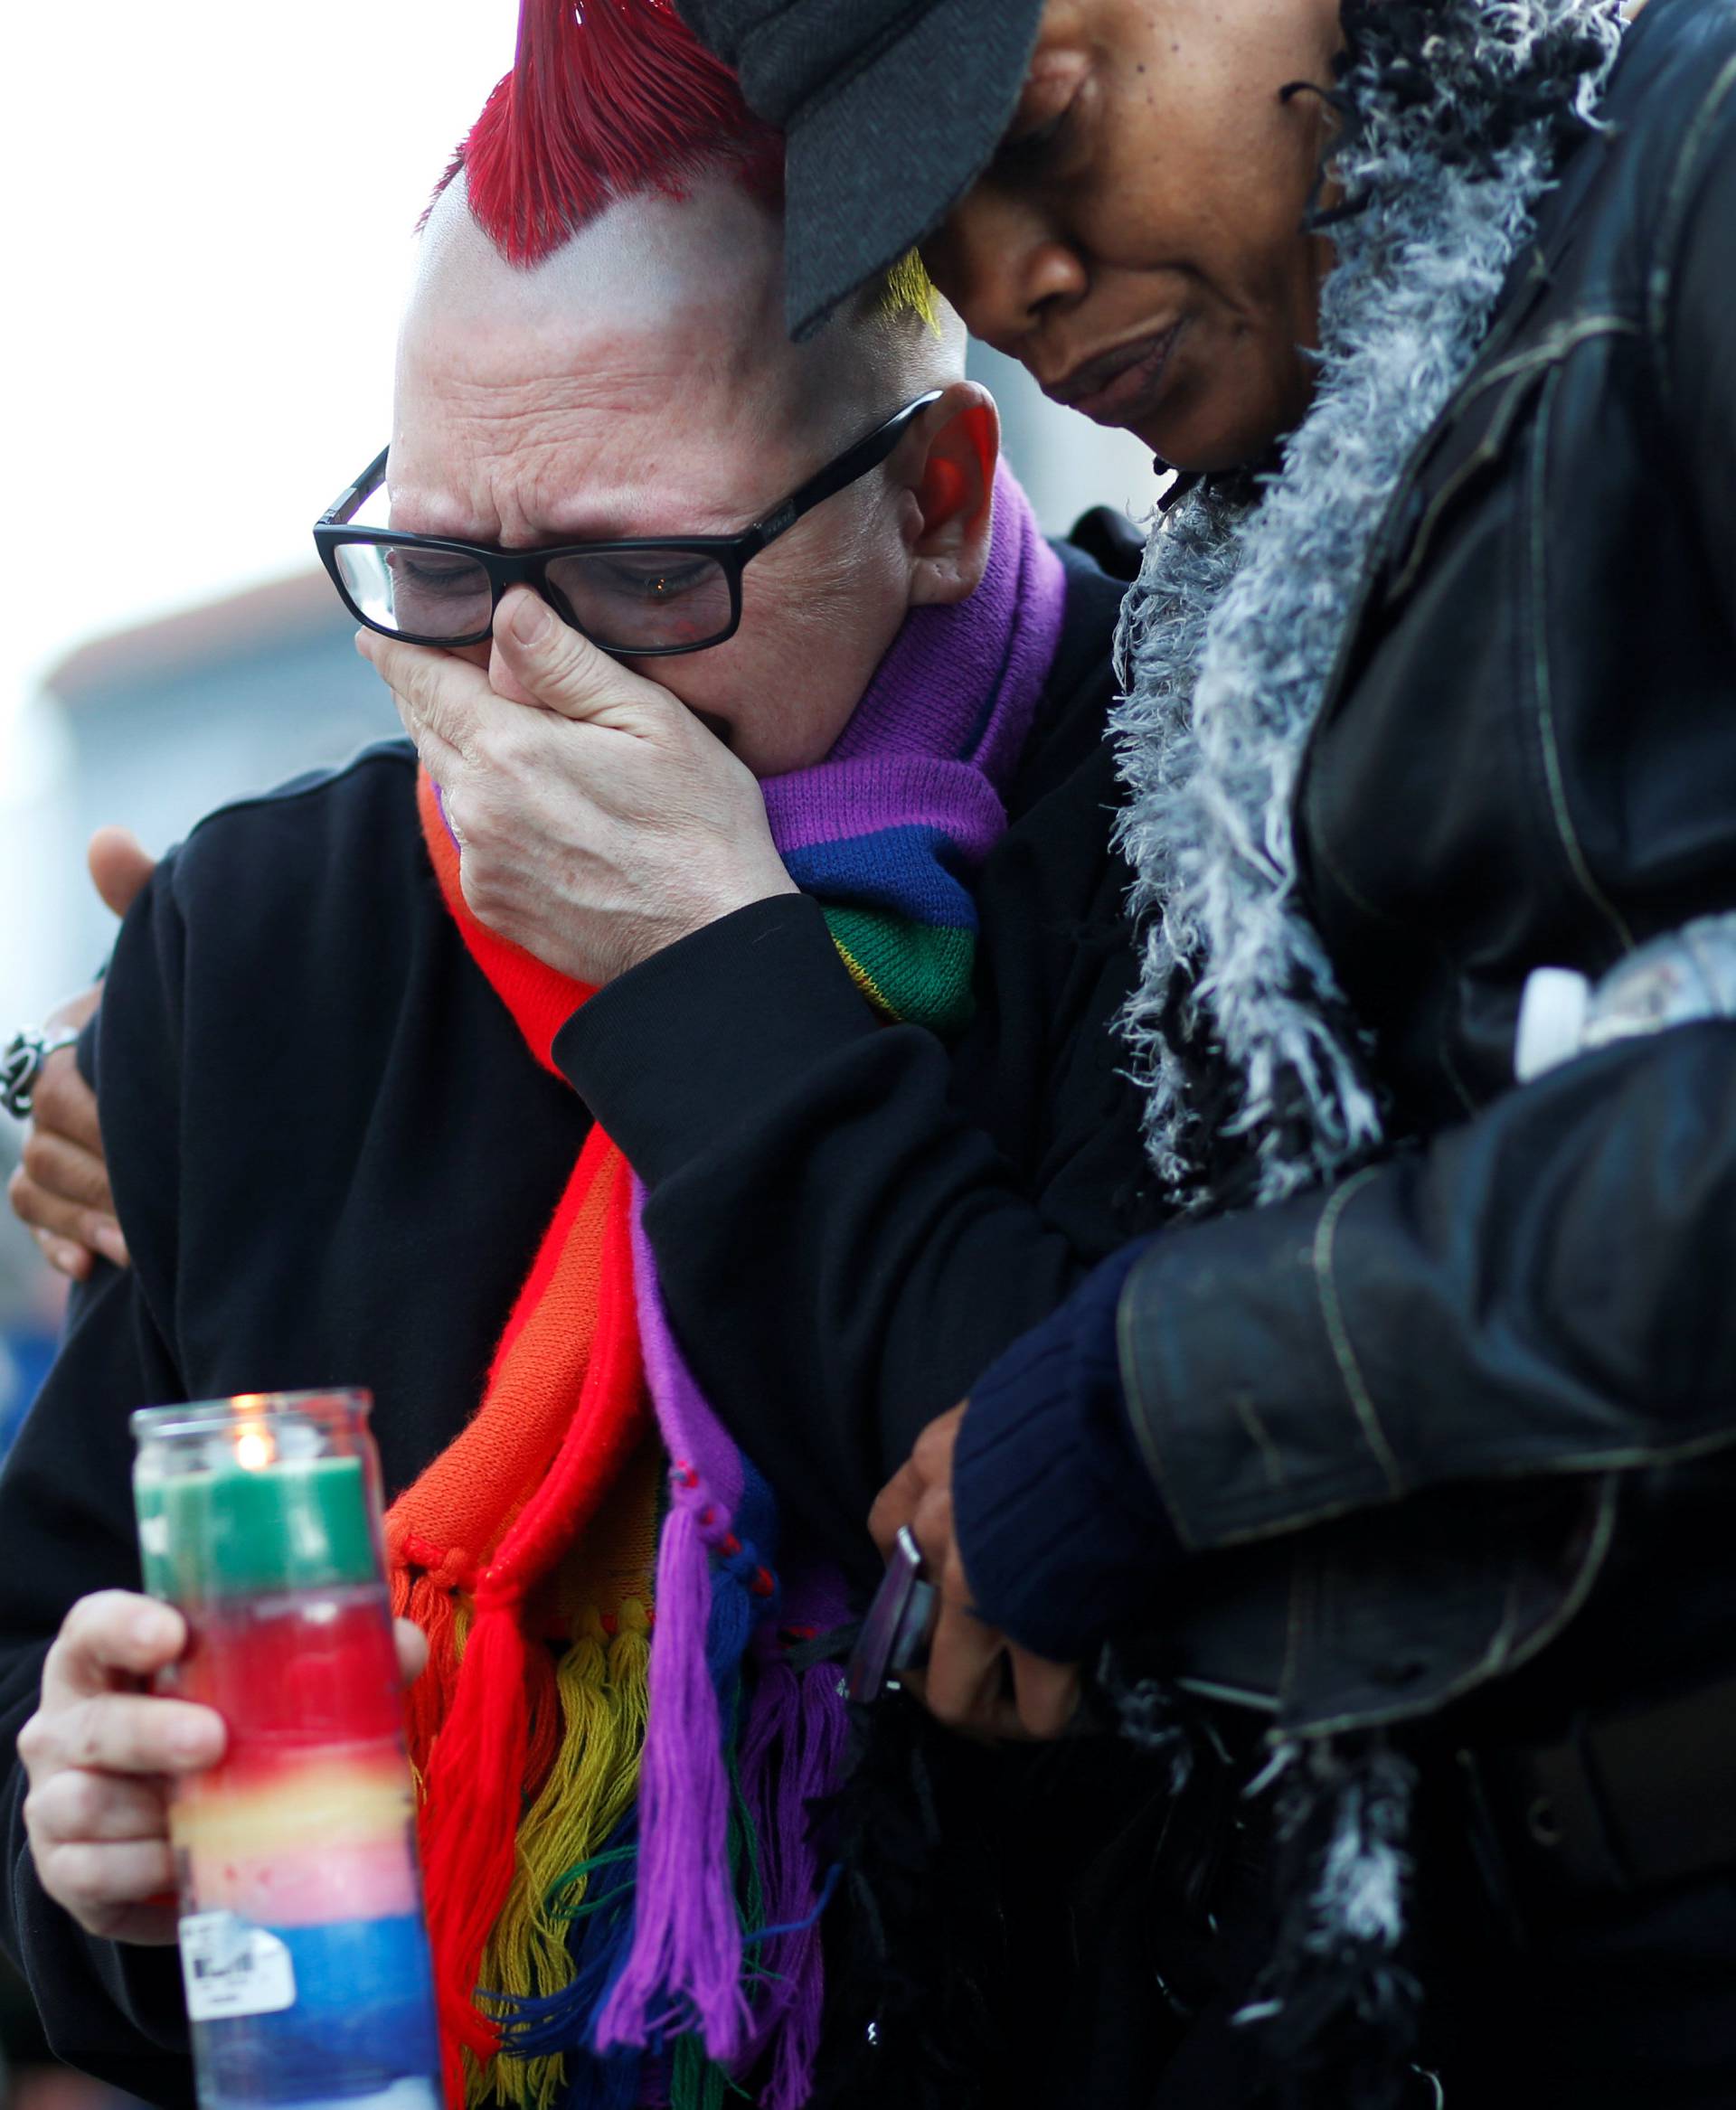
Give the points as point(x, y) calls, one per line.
point(891, 108)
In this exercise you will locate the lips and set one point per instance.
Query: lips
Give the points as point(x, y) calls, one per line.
point(1119, 386)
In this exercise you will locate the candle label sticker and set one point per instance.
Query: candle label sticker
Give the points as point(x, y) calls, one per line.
point(231, 1967)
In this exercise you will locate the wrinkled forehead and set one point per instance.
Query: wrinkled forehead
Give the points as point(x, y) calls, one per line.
point(638, 379)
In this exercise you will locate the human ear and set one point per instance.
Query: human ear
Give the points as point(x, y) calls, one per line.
point(952, 483)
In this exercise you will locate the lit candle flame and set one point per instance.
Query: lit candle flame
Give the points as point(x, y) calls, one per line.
point(254, 1449)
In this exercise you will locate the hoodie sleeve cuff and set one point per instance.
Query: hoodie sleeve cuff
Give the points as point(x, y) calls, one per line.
point(712, 1031)
point(1064, 1536)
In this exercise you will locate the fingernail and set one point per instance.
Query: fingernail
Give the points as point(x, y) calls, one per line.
point(364, 643)
point(110, 1244)
point(190, 1740)
point(150, 1629)
point(530, 621)
point(69, 1259)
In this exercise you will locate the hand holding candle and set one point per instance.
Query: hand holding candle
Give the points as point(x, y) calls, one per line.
point(100, 1751)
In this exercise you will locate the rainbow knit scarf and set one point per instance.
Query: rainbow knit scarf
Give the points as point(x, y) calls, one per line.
point(614, 1836)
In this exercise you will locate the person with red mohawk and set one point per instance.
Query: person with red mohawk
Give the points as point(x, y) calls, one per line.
point(667, 1080)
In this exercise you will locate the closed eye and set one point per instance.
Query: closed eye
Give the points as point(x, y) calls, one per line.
point(650, 579)
point(433, 572)
point(1027, 153)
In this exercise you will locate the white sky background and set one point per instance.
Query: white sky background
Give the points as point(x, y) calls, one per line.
point(207, 234)
point(207, 239)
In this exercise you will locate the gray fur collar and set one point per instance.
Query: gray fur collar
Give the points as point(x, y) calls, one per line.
point(1453, 115)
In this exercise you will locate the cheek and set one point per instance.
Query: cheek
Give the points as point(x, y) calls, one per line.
point(1230, 231)
point(795, 687)
point(790, 679)
point(1165, 190)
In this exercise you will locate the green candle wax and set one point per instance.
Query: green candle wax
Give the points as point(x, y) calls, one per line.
point(240, 1531)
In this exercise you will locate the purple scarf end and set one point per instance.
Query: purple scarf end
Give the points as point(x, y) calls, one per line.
point(684, 1966)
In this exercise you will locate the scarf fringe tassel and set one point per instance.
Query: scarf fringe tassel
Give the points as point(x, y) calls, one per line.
point(791, 1755)
point(685, 1969)
point(588, 1792)
point(556, 2031)
point(475, 1790)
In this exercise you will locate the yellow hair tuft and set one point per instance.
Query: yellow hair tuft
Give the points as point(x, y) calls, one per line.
point(907, 290)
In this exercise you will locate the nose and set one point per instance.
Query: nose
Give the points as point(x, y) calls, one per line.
point(1006, 267)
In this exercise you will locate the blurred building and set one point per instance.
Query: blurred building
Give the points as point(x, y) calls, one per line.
point(153, 728)
point(167, 722)
point(1065, 463)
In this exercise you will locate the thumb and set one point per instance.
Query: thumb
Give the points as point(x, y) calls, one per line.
point(539, 659)
point(120, 866)
point(1047, 1694)
point(895, 1505)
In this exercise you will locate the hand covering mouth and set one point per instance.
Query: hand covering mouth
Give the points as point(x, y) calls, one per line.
point(719, 727)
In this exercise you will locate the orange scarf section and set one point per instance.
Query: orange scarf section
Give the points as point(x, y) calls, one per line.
point(562, 1412)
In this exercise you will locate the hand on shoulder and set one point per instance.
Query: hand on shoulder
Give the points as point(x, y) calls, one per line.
point(60, 1190)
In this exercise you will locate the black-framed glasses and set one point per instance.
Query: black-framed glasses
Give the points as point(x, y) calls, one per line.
point(643, 597)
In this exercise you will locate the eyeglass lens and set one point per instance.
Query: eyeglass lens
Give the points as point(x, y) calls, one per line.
point(644, 599)
point(425, 593)
point(627, 600)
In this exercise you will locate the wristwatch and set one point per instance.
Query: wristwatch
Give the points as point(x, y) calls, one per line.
point(21, 1065)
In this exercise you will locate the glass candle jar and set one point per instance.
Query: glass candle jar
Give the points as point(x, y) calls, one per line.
point(303, 1947)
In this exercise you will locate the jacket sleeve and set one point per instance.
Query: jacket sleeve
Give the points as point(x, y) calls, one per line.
point(1693, 317)
point(1540, 1291)
point(66, 1526)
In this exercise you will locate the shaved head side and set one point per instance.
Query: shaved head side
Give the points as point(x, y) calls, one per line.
point(922, 340)
point(685, 292)
point(642, 260)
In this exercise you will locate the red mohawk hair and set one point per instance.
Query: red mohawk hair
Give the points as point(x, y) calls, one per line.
point(606, 99)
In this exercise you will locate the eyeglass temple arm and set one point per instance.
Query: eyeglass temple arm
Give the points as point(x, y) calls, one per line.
point(867, 454)
point(349, 501)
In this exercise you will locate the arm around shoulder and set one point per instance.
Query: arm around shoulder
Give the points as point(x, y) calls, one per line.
point(1693, 317)
point(1539, 1293)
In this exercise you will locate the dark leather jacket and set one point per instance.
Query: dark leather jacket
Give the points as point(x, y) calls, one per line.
point(1421, 1424)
